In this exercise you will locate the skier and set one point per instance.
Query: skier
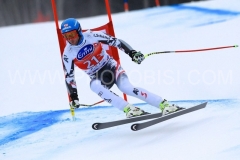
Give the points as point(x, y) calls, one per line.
point(84, 49)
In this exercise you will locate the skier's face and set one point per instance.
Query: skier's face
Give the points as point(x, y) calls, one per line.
point(72, 37)
point(74, 41)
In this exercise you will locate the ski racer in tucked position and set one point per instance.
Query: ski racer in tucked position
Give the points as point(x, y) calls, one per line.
point(84, 49)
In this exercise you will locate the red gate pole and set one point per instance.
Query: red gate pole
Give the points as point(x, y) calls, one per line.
point(126, 6)
point(115, 56)
point(157, 3)
point(61, 41)
point(62, 44)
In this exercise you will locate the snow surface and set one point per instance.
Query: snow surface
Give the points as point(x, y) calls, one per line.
point(35, 122)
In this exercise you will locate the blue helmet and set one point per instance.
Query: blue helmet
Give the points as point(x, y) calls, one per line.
point(71, 24)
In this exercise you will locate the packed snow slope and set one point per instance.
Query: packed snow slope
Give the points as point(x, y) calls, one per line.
point(35, 122)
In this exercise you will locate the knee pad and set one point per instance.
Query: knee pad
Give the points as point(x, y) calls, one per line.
point(94, 85)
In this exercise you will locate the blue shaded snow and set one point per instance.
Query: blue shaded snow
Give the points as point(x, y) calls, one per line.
point(193, 16)
point(26, 123)
point(219, 12)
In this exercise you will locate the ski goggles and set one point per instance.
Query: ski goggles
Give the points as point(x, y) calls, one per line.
point(70, 35)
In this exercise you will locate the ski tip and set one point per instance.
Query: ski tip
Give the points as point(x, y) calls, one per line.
point(205, 103)
point(134, 127)
point(95, 126)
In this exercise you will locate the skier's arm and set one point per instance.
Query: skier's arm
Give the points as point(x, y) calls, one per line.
point(70, 81)
point(137, 57)
point(112, 41)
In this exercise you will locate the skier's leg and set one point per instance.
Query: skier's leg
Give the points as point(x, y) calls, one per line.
point(125, 86)
point(114, 100)
point(110, 97)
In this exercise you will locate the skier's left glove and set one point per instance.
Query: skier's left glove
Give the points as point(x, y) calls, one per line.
point(74, 103)
point(137, 57)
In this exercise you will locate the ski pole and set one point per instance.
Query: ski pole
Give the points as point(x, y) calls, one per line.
point(72, 110)
point(196, 50)
point(90, 105)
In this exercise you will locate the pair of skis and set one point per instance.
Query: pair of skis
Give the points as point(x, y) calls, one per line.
point(157, 118)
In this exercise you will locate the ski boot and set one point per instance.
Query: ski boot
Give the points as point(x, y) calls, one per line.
point(167, 108)
point(132, 111)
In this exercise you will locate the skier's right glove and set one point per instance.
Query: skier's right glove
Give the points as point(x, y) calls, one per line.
point(74, 103)
point(137, 57)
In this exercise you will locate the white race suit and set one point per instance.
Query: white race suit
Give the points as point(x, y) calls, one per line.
point(91, 57)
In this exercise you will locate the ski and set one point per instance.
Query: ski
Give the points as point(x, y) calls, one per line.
point(139, 126)
point(98, 126)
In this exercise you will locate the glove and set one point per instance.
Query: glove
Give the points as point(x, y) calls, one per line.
point(137, 57)
point(74, 103)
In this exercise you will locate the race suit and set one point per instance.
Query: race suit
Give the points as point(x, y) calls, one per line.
point(91, 57)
